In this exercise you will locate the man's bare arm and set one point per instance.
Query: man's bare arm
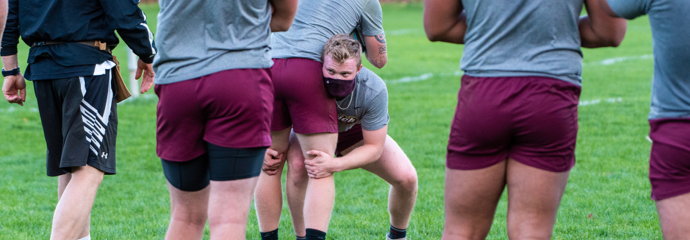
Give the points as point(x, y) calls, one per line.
point(283, 13)
point(365, 154)
point(3, 16)
point(599, 28)
point(14, 86)
point(377, 53)
point(445, 21)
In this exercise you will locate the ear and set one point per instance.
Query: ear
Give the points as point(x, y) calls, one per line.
point(359, 68)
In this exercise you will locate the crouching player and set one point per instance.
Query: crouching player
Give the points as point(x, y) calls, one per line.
point(363, 142)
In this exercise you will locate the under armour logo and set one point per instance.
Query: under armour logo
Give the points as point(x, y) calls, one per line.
point(104, 155)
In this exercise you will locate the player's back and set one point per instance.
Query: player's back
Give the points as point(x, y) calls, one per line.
point(523, 38)
point(197, 38)
point(318, 20)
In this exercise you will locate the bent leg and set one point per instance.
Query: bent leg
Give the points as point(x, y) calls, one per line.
point(395, 168)
point(470, 201)
point(674, 215)
point(296, 186)
point(228, 208)
point(533, 199)
point(188, 213)
point(74, 207)
point(320, 194)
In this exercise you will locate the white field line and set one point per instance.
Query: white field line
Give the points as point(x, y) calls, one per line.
point(13, 109)
point(598, 101)
point(426, 76)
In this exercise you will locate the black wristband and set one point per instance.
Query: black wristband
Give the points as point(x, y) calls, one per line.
point(10, 72)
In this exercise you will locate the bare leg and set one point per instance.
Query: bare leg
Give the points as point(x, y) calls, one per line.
point(269, 200)
point(470, 200)
point(320, 195)
point(296, 186)
point(397, 170)
point(63, 180)
point(533, 199)
point(269, 194)
point(674, 215)
point(188, 213)
point(74, 207)
point(228, 210)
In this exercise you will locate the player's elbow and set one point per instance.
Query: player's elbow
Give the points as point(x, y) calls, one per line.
point(280, 25)
point(378, 60)
point(381, 61)
point(432, 35)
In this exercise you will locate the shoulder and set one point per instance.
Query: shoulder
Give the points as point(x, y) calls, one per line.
point(372, 86)
point(372, 81)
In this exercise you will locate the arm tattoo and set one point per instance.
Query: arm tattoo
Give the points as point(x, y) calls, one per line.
point(381, 38)
point(382, 49)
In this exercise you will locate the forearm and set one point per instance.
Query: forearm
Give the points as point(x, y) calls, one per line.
point(598, 28)
point(445, 21)
point(3, 16)
point(455, 34)
point(359, 157)
point(592, 37)
point(283, 14)
point(377, 52)
point(10, 62)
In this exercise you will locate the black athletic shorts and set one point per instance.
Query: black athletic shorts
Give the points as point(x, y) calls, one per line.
point(79, 121)
point(217, 164)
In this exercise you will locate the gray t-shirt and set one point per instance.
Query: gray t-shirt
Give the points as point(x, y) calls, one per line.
point(523, 38)
point(366, 105)
point(318, 20)
point(197, 38)
point(670, 21)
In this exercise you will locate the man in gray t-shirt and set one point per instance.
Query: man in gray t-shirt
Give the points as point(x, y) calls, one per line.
point(363, 142)
point(515, 123)
point(669, 118)
point(215, 104)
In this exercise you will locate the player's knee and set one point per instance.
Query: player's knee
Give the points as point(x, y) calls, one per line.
point(298, 173)
point(87, 174)
point(408, 182)
point(190, 217)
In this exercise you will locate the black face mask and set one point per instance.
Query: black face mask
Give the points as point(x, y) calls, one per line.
point(339, 89)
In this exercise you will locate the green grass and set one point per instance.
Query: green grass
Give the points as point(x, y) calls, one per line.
point(609, 180)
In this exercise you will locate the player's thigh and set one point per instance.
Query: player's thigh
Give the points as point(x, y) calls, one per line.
point(674, 215)
point(533, 195)
point(324, 142)
point(394, 166)
point(188, 186)
point(470, 198)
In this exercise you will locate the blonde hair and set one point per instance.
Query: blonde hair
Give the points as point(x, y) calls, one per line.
point(342, 47)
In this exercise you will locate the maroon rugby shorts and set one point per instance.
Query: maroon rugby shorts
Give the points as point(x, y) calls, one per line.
point(532, 120)
point(301, 100)
point(230, 109)
point(669, 163)
point(349, 138)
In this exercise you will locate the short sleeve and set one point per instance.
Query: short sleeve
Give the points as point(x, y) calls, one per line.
point(372, 19)
point(630, 8)
point(376, 115)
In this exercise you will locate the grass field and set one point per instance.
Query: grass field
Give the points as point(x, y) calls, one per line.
point(607, 196)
